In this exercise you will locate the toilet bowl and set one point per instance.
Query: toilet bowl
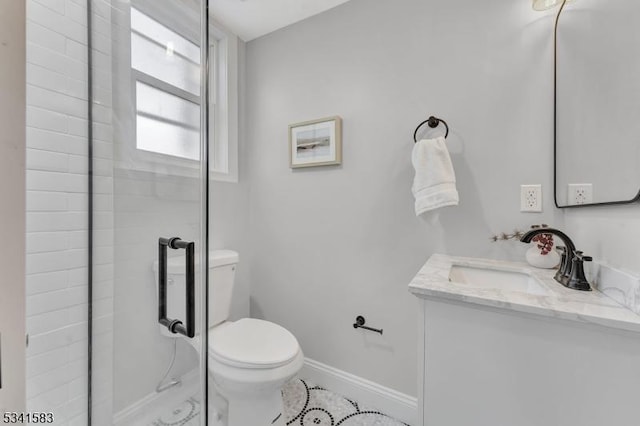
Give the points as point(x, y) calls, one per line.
point(250, 359)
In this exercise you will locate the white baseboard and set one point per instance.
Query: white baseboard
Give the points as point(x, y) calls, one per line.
point(396, 404)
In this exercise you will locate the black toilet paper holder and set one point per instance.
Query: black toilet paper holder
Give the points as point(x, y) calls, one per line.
point(360, 321)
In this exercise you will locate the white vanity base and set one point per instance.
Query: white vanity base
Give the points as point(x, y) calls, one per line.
point(489, 366)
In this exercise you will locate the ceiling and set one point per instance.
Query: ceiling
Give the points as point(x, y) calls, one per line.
point(250, 19)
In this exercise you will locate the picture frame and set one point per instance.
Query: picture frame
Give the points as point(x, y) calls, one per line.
point(315, 143)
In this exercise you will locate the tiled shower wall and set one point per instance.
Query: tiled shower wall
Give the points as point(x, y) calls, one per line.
point(57, 209)
point(57, 184)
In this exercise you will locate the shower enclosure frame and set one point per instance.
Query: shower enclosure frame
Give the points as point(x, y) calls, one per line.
point(204, 177)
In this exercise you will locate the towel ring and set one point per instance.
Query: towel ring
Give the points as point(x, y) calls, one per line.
point(433, 122)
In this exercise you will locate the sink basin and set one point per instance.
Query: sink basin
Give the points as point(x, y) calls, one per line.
point(485, 278)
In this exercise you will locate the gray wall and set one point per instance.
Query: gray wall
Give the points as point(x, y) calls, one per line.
point(331, 243)
point(12, 207)
point(610, 234)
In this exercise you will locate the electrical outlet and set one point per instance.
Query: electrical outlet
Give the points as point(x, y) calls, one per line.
point(530, 198)
point(580, 193)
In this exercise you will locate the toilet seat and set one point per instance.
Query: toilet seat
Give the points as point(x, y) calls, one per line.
point(252, 344)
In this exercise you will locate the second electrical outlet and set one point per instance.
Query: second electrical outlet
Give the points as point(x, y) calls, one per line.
point(530, 198)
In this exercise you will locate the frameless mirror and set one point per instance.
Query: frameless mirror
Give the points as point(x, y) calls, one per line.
point(597, 136)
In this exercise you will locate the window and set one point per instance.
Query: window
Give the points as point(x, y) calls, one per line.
point(166, 70)
point(167, 74)
point(166, 123)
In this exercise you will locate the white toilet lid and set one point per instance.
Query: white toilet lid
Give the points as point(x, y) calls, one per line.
point(252, 343)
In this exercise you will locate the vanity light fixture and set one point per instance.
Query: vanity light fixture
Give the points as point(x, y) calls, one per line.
point(547, 4)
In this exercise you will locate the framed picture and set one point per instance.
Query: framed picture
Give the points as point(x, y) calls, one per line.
point(315, 143)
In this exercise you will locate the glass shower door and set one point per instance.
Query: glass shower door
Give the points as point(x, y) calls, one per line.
point(149, 223)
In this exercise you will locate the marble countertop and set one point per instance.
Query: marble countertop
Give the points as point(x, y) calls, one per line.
point(593, 307)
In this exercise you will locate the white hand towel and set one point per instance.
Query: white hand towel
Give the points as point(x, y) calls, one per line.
point(434, 184)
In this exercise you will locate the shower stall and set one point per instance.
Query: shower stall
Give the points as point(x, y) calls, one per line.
point(149, 137)
point(131, 91)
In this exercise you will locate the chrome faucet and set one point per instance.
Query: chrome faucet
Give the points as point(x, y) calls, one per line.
point(571, 272)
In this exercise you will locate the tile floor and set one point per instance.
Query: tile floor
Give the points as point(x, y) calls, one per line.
point(309, 405)
point(186, 414)
point(304, 405)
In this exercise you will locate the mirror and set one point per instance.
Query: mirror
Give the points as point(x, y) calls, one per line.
point(597, 90)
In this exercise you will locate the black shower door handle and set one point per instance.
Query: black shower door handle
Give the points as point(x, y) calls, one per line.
point(175, 325)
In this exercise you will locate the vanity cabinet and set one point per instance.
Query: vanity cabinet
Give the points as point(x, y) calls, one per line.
point(481, 366)
point(488, 364)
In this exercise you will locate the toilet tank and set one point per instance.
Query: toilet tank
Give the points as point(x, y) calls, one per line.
point(222, 270)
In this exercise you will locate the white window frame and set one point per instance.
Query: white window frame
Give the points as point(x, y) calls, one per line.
point(223, 102)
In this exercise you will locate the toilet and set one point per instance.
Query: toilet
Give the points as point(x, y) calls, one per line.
point(250, 359)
